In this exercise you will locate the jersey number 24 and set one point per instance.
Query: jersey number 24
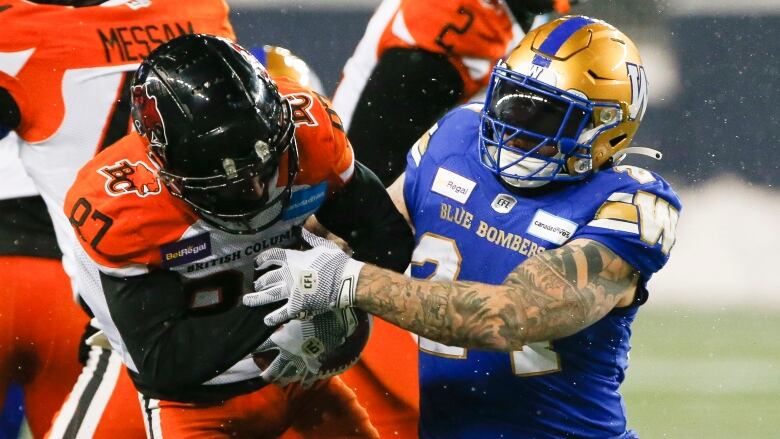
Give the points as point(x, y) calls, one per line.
point(533, 359)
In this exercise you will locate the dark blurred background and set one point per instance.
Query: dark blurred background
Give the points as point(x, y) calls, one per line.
point(705, 358)
point(713, 68)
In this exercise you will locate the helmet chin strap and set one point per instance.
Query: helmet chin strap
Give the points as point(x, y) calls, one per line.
point(578, 165)
point(619, 156)
point(582, 165)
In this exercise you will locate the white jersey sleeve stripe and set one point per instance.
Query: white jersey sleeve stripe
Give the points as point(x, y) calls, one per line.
point(416, 156)
point(401, 31)
point(12, 62)
point(621, 226)
point(347, 174)
point(622, 197)
point(126, 271)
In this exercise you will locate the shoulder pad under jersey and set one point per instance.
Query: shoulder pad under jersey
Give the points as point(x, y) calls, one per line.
point(121, 211)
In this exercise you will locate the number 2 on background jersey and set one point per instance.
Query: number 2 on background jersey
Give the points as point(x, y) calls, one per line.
point(533, 359)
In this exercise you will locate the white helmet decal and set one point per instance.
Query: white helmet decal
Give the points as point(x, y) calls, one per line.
point(638, 91)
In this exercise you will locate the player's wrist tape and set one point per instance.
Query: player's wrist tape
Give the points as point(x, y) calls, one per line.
point(349, 280)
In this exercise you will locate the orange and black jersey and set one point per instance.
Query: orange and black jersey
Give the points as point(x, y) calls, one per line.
point(469, 36)
point(64, 88)
point(122, 184)
point(92, 42)
point(473, 34)
point(165, 285)
point(416, 60)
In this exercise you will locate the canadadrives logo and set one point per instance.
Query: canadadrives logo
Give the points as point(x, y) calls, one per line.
point(305, 201)
point(124, 177)
point(554, 229)
point(551, 227)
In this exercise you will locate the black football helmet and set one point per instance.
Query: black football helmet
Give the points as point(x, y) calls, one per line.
point(218, 127)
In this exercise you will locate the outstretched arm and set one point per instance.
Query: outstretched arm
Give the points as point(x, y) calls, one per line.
point(551, 295)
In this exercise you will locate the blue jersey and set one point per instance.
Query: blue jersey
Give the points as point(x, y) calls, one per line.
point(470, 227)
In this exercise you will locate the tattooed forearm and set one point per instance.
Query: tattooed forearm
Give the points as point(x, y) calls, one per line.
point(580, 283)
point(552, 295)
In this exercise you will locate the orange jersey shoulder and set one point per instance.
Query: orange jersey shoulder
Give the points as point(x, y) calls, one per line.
point(324, 152)
point(474, 28)
point(467, 31)
point(40, 44)
point(121, 211)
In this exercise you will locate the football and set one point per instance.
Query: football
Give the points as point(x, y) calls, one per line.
point(339, 359)
point(346, 355)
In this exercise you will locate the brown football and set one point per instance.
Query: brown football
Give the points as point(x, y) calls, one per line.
point(341, 358)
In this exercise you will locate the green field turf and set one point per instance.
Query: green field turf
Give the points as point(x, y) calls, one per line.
point(705, 375)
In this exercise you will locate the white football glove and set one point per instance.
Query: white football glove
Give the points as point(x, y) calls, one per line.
point(312, 281)
point(303, 345)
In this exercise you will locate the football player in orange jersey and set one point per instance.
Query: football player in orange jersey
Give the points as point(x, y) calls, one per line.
point(33, 353)
point(64, 73)
point(415, 61)
point(384, 379)
point(228, 162)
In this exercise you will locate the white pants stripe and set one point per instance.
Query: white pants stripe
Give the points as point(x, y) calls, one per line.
point(151, 408)
point(80, 414)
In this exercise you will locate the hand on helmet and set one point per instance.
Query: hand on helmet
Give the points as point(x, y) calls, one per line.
point(312, 281)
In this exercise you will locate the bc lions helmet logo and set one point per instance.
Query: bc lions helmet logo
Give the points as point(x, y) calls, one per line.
point(146, 116)
point(130, 178)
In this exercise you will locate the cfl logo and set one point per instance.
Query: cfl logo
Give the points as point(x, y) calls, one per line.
point(503, 203)
point(308, 281)
point(312, 347)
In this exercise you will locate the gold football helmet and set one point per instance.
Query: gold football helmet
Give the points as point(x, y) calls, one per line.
point(565, 102)
point(281, 62)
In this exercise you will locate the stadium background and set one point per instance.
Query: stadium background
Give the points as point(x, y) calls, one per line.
point(706, 355)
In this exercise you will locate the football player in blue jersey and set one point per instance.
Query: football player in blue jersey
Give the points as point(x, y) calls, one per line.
point(534, 245)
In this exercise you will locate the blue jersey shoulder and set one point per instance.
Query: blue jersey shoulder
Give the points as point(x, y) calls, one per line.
point(636, 215)
point(454, 134)
point(632, 211)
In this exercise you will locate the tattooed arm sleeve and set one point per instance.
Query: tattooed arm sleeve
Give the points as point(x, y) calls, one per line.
point(551, 295)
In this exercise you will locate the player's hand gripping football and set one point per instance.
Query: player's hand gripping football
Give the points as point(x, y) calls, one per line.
point(312, 281)
point(304, 350)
